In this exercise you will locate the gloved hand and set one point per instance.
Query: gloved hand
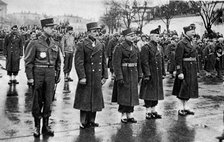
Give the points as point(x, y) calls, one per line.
point(174, 73)
point(103, 81)
point(181, 76)
point(147, 79)
point(82, 81)
point(120, 82)
point(30, 82)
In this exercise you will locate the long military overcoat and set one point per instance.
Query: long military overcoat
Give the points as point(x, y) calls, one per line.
point(188, 87)
point(126, 94)
point(151, 61)
point(209, 55)
point(90, 63)
point(13, 49)
point(110, 47)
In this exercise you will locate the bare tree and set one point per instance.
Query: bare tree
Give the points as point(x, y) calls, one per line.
point(128, 13)
point(112, 16)
point(141, 11)
point(166, 12)
point(208, 12)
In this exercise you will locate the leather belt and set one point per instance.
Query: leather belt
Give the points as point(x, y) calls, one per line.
point(44, 66)
point(129, 64)
point(190, 59)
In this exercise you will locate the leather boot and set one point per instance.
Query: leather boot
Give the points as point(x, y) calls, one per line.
point(36, 132)
point(46, 130)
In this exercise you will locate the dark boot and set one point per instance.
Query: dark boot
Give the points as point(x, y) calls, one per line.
point(92, 119)
point(46, 130)
point(36, 132)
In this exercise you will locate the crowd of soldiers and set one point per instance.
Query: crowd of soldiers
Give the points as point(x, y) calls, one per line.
point(132, 61)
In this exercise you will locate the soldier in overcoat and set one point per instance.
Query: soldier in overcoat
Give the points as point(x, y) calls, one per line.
point(209, 55)
point(186, 83)
point(42, 67)
point(171, 68)
point(91, 68)
point(151, 89)
point(13, 51)
point(127, 69)
point(110, 47)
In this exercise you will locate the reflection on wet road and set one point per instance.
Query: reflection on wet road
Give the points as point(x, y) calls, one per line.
point(16, 122)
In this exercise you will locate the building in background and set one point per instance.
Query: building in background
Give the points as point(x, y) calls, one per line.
point(78, 23)
point(3, 9)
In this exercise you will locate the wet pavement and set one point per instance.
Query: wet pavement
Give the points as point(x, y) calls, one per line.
point(16, 122)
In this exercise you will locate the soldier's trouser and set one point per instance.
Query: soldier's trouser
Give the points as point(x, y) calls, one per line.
point(150, 103)
point(87, 116)
point(44, 81)
point(125, 109)
point(10, 73)
point(68, 62)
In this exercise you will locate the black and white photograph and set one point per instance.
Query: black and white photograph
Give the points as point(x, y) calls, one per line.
point(111, 70)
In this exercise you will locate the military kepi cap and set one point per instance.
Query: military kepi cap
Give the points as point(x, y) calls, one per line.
point(155, 31)
point(127, 32)
point(14, 27)
point(47, 22)
point(69, 28)
point(189, 28)
point(92, 26)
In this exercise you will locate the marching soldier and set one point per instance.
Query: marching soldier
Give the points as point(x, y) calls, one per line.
point(186, 83)
point(90, 65)
point(42, 63)
point(127, 69)
point(68, 49)
point(152, 67)
point(13, 51)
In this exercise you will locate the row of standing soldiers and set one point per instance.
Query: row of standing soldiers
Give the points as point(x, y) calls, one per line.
point(130, 66)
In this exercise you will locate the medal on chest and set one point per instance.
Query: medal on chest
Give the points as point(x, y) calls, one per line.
point(43, 54)
point(93, 44)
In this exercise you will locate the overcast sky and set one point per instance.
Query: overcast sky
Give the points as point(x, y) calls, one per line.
point(84, 8)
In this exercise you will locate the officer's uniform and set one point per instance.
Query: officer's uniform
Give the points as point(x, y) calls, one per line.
point(68, 49)
point(186, 82)
point(110, 47)
point(13, 50)
point(42, 63)
point(90, 63)
point(127, 70)
point(152, 90)
point(186, 63)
